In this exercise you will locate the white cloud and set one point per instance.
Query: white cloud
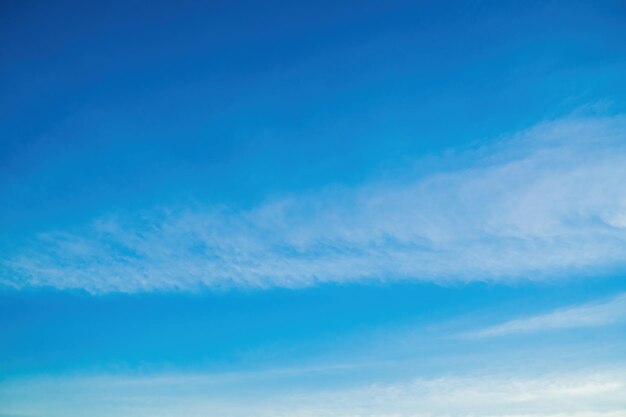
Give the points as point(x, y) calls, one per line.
point(474, 396)
point(548, 202)
point(586, 315)
point(598, 393)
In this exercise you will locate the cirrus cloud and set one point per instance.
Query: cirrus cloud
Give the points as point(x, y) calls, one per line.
point(544, 203)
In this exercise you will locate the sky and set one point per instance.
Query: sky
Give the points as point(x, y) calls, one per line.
point(313, 209)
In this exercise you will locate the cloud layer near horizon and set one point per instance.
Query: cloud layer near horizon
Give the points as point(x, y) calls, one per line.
point(585, 393)
point(544, 203)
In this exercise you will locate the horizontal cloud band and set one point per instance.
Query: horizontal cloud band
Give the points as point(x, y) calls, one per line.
point(547, 202)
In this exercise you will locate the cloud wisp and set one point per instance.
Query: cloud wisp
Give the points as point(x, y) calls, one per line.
point(587, 315)
point(545, 203)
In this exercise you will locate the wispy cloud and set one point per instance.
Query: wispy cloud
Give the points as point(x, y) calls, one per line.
point(475, 395)
point(549, 201)
point(586, 315)
point(588, 393)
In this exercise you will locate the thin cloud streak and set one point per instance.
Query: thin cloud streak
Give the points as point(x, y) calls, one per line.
point(586, 315)
point(547, 202)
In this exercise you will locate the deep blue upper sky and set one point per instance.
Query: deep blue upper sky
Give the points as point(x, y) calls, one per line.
point(131, 104)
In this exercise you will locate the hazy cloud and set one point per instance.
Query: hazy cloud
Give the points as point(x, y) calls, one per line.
point(591, 393)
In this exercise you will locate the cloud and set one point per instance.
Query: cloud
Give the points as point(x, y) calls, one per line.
point(586, 315)
point(475, 395)
point(545, 203)
point(597, 393)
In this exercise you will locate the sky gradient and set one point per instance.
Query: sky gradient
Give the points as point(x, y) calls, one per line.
point(313, 209)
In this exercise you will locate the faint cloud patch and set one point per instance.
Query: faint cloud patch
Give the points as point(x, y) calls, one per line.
point(586, 315)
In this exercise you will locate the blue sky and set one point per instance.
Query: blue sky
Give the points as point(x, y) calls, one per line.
point(313, 209)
